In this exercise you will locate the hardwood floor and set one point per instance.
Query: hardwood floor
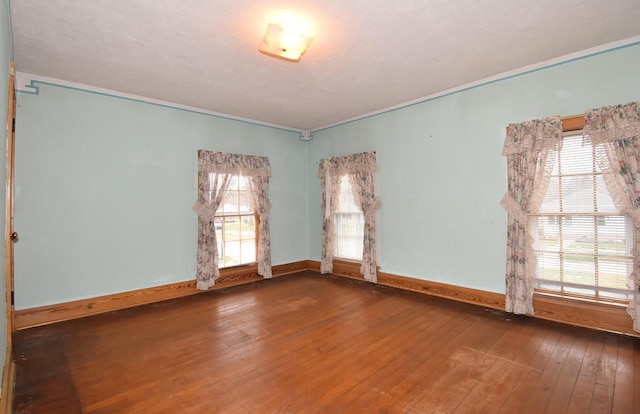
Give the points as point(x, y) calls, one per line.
point(308, 343)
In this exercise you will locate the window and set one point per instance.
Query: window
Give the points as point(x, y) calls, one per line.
point(236, 225)
point(230, 231)
point(349, 224)
point(584, 246)
point(349, 231)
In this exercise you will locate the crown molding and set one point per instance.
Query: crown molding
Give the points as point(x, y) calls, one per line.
point(29, 83)
point(572, 57)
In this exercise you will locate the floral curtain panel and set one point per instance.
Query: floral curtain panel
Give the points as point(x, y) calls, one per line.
point(365, 199)
point(260, 196)
point(530, 148)
point(330, 197)
point(361, 169)
point(214, 173)
point(618, 129)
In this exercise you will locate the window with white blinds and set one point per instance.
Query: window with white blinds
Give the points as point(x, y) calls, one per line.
point(349, 224)
point(584, 246)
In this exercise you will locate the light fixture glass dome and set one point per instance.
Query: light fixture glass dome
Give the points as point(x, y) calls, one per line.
point(284, 43)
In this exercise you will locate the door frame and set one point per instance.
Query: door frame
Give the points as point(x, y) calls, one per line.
point(9, 198)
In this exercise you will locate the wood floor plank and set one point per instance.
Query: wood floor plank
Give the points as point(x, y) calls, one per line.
point(535, 356)
point(411, 356)
point(636, 377)
point(601, 399)
point(586, 381)
point(479, 337)
point(623, 389)
point(452, 386)
point(311, 343)
point(568, 375)
point(418, 371)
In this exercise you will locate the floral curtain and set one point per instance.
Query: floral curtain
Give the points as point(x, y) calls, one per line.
point(530, 148)
point(215, 170)
point(330, 197)
point(365, 199)
point(361, 169)
point(618, 129)
point(260, 196)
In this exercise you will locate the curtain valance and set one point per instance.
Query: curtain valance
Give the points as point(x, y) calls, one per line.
point(534, 135)
point(613, 123)
point(363, 162)
point(236, 164)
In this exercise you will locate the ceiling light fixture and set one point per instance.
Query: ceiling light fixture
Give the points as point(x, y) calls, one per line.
point(284, 43)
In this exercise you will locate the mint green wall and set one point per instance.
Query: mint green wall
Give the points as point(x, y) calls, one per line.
point(6, 55)
point(105, 186)
point(441, 172)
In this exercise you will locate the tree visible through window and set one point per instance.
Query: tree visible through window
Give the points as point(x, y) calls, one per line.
point(236, 225)
point(349, 224)
point(584, 245)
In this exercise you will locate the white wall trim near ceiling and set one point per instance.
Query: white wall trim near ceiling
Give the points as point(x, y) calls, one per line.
point(609, 47)
point(30, 84)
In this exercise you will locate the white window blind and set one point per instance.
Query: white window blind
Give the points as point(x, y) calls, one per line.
point(584, 246)
point(349, 223)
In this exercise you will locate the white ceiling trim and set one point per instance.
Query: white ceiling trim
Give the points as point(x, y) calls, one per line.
point(28, 83)
point(609, 47)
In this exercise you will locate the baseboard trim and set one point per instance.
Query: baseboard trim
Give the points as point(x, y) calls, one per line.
point(443, 290)
point(587, 314)
point(8, 383)
point(605, 317)
point(44, 315)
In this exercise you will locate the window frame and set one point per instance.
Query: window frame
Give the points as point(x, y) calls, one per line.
point(575, 124)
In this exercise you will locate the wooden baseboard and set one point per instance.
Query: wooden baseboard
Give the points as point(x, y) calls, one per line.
point(460, 294)
point(606, 317)
point(8, 383)
point(313, 265)
point(44, 315)
point(587, 314)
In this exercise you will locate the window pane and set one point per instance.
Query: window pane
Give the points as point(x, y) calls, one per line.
point(245, 204)
point(551, 202)
point(578, 269)
point(218, 226)
point(613, 239)
point(248, 253)
point(233, 182)
point(349, 235)
point(248, 226)
point(549, 266)
point(603, 198)
point(231, 228)
point(577, 193)
point(231, 253)
point(230, 202)
point(346, 202)
point(576, 156)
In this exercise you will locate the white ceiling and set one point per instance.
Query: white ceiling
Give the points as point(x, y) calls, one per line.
point(366, 55)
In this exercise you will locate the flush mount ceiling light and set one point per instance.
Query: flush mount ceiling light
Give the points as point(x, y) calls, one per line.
point(284, 43)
